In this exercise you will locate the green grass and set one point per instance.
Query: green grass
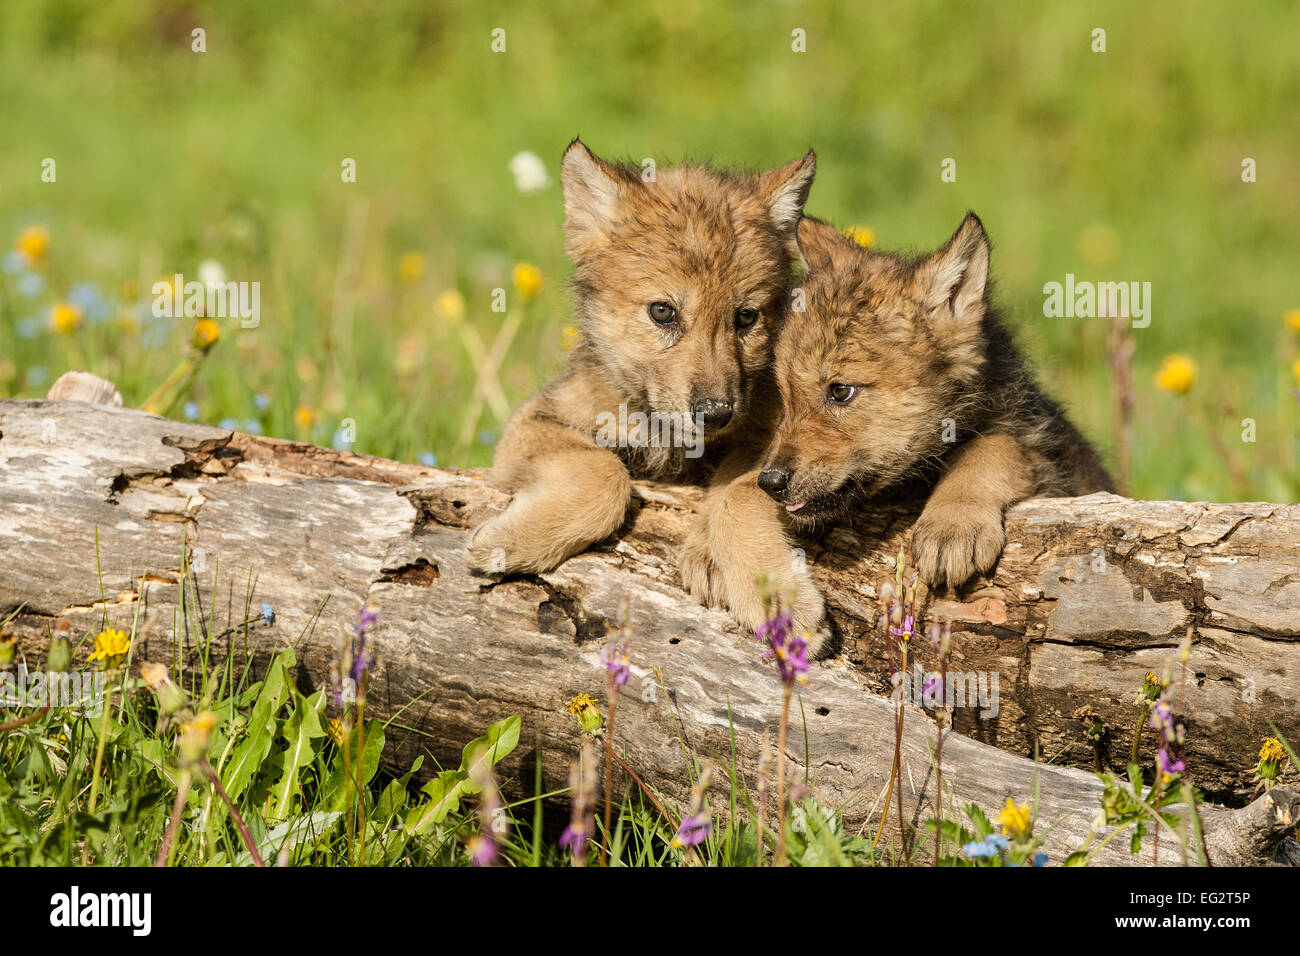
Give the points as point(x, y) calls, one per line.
point(167, 157)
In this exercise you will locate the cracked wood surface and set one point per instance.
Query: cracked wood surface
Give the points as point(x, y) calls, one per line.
point(1091, 593)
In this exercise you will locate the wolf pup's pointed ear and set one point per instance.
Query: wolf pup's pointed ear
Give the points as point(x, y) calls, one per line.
point(817, 241)
point(953, 280)
point(785, 190)
point(591, 197)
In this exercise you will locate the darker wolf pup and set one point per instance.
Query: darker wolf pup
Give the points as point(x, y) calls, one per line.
point(682, 283)
point(899, 379)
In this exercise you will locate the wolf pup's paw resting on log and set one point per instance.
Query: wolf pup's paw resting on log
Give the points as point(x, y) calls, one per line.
point(681, 285)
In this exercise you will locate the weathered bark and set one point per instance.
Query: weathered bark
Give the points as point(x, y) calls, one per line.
point(292, 524)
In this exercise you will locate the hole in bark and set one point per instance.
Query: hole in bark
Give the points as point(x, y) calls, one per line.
point(420, 573)
point(674, 640)
point(823, 711)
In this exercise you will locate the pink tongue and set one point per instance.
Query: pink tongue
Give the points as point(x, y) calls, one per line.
point(796, 506)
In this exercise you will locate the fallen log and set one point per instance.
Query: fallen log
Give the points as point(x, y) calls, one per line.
point(1091, 594)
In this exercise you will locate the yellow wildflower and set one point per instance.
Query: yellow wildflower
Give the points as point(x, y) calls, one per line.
point(1295, 371)
point(589, 716)
point(570, 333)
point(528, 279)
point(206, 333)
point(1272, 750)
point(111, 646)
point(411, 266)
point(65, 317)
point(1272, 758)
point(1015, 819)
point(34, 243)
point(195, 733)
point(864, 236)
point(335, 729)
point(1177, 374)
point(452, 305)
point(1292, 319)
point(305, 416)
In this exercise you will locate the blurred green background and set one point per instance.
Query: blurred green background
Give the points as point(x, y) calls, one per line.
point(1122, 165)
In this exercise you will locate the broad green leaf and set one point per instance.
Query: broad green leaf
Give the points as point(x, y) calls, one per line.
point(289, 834)
point(300, 730)
point(260, 730)
point(446, 790)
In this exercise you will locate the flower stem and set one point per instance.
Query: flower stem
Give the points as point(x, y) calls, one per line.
point(174, 821)
point(609, 766)
point(780, 776)
point(234, 814)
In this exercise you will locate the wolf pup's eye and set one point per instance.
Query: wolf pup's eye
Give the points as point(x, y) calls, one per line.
point(746, 317)
point(841, 394)
point(662, 313)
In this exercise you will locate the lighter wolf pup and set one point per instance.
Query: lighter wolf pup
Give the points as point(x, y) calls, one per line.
point(899, 379)
point(682, 282)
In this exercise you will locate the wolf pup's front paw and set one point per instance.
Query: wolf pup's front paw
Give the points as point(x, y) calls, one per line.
point(505, 545)
point(488, 546)
point(953, 542)
point(733, 585)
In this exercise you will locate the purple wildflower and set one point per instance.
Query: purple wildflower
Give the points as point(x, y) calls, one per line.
point(693, 831)
point(614, 656)
point(482, 851)
point(789, 650)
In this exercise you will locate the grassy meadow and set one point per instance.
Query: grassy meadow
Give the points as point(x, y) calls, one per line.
point(1124, 165)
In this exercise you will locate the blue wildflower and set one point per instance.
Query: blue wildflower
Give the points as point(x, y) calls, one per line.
point(31, 285)
point(268, 614)
point(191, 410)
point(428, 459)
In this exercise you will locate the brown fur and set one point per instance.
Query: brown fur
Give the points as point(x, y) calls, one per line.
point(706, 242)
point(926, 355)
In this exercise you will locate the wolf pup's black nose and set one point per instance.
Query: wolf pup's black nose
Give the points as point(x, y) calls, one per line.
point(774, 481)
point(714, 412)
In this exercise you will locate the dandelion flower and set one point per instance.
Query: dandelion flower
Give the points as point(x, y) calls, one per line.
point(451, 304)
point(1292, 319)
point(206, 333)
point(1272, 760)
point(34, 243)
point(195, 734)
point(1015, 819)
point(528, 279)
point(335, 729)
point(411, 266)
point(1177, 374)
point(111, 646)
point(864, 236)
point(305, 416)
point(65, 317)
point(589, 717)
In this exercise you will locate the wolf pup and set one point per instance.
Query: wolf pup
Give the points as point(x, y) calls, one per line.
point(682, 284)
point(900, 379)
